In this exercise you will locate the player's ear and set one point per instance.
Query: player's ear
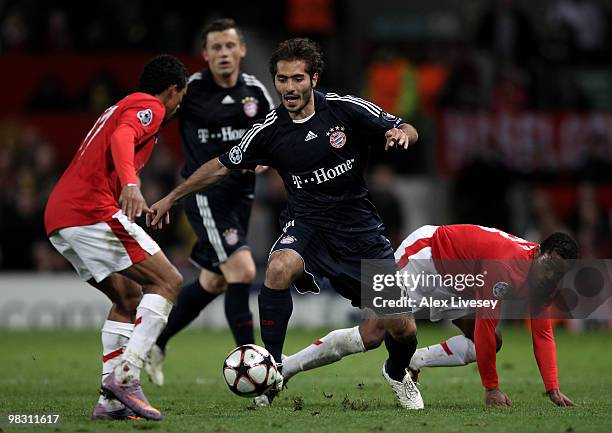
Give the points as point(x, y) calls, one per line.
point(205, 54)
point(243, 50)
point(314, 79)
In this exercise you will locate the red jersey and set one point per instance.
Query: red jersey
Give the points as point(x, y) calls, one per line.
point(88, 191)
point(471, 249)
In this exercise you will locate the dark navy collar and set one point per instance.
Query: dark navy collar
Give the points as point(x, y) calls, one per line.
point(208, 79)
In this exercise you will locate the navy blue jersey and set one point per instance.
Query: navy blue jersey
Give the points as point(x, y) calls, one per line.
point(213, 119)
point(320, 160)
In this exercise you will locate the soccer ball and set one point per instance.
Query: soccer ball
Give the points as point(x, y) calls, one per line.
point(249, 370)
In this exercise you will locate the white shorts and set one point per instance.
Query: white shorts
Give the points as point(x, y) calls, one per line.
point(98, 250)
point(414, 257)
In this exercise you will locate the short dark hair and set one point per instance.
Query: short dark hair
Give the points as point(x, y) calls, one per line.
point(162, 72)
point(299, 49)
point(220, 25)
point(561, 244)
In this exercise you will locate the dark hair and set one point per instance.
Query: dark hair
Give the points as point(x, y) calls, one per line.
point(299, 49)
point(162, 72)
point(220, 25)
point(561, 244)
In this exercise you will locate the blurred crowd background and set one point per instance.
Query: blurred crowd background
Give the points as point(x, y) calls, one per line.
point(512, 99)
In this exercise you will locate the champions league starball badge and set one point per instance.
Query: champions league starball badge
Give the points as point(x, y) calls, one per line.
point(250, 106)
point(235, 155)
point(337, 137)
point(500, 289)
point(145, 117)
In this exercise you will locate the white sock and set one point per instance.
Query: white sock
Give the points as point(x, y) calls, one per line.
point(458, 350)
point(115, 336)
point(151, 318)
point(331, 348)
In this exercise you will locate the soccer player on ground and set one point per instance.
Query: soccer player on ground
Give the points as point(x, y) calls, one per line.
point(318, 143)
point(515, 269)
point(221, 105)
point(90, 217)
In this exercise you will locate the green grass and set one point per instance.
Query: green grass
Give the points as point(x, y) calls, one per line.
point(59, 372)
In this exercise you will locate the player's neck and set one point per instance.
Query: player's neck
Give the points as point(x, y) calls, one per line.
point(226, 82)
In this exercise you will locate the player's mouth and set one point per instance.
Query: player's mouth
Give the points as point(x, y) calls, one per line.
point(291, 99)
point(224, 64)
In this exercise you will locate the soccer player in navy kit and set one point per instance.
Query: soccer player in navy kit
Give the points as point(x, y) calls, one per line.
point(222, 105)
point(319, 145)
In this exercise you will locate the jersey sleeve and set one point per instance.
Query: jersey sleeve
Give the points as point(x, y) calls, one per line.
point(545, 352)
point(367, 116)
point(251, 151)
point(143, 117)
point(497, 275)
point(122, 151)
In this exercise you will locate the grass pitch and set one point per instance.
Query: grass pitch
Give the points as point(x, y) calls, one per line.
point(58, 372)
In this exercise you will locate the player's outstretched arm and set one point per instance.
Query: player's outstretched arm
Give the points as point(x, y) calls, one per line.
point(122, 146)
point(405, 135)
point(484, 341)
point(545, 352)
point(204, 177)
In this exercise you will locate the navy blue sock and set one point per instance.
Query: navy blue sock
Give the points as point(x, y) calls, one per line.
point(238, 313)
point(275, 308)
point(191, 300)
point(400, 353)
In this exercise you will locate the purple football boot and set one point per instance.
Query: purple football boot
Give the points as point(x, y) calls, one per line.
point(131, 395)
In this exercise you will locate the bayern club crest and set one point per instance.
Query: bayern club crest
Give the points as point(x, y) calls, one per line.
point(337, 137)
point(250, 106)
point(231, 236)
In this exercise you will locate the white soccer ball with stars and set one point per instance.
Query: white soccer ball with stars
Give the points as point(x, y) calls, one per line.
point(249, 370)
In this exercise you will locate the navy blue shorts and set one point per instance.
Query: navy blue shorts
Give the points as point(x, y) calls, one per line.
point(221, 226)
point(337, 258)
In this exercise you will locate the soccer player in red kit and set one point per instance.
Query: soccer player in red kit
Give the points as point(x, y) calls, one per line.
point(508, 267)
point(89, 219)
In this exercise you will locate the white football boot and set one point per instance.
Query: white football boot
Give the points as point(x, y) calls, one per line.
point(154, 365)
point(406, 391)
point(266, 399)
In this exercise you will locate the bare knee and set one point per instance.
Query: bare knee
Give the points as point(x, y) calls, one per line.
point(246, 274)
point(283, 269)
point(129, 300)
point(171, 284)
point(212, 283)
point(372, 337)
point(401, 329)
point(243, 273)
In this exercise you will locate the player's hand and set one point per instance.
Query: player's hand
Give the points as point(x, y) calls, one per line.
point(558, 398)
point(495, 397)
point(396, 138)
point(159, 213)
point(132, 202)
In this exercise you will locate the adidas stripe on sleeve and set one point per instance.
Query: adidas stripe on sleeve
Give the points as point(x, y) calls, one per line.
point(368, 114)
